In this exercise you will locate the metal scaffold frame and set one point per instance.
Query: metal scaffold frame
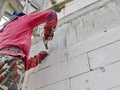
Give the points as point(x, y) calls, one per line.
point(9, 6)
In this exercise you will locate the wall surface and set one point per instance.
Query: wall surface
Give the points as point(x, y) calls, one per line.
point(84, 54)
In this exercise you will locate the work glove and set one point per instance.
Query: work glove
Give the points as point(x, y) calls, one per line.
point(48, 33)
point(35, 60)
point(40, 57)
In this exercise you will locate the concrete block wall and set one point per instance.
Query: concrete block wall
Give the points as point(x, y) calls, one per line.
point(84, 54)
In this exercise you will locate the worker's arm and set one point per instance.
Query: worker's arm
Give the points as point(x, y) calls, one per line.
point(49, 17)
point(50, 25)
point(35, 60)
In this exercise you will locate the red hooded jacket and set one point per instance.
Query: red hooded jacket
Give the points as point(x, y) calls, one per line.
point(18, 33)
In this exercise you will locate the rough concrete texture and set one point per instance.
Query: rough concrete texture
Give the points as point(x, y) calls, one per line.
point(84, 54)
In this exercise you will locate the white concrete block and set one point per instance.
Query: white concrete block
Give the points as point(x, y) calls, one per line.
point(63, 85)
point(32, 82)
point(94, 42)
point(62, 71)
point(53, 59)
point(105, 55)
point(26, 79)
point(59, 41)
point(115, 88)
point(76, 5)
point(101, 79)
point(71, 34)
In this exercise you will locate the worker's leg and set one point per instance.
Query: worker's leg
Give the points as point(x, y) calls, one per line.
point(11, 72)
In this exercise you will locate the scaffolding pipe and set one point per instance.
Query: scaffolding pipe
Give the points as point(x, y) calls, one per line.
point(3, 8)
point(25, 10)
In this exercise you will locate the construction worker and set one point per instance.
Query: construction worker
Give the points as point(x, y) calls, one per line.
point(15, 40)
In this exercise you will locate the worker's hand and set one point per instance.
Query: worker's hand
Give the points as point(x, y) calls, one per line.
point(40, 57)
point(49, 38)
point(43, 54)
point(48, 33)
